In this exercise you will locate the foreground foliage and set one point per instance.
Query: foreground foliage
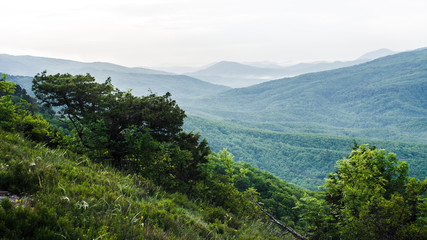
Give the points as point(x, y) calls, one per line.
point(16, 114)
point(66, 196)
point(369, 196)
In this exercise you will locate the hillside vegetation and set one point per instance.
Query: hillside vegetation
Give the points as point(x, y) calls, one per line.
point(124, 168)
point(383, 99)
point(303, 159)
point(61, 193)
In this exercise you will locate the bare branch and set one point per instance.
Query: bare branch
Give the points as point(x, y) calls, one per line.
point(274, 220)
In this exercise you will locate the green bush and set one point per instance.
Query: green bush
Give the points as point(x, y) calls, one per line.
point(18, 178)
point(24, 223)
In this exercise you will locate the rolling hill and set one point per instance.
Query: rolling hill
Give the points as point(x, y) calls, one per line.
point(384, 99)
point(140, 80)
point(237, 75)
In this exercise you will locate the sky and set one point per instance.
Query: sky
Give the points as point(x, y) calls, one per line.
point(161, 33)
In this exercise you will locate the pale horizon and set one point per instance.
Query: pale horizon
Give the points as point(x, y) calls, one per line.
point(166, 33)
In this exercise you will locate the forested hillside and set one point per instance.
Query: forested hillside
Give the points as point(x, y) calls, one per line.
point(303, 159)
point(382, 99)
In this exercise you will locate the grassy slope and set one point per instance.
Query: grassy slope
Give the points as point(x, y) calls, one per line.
point(67, 196)
point(304, 159)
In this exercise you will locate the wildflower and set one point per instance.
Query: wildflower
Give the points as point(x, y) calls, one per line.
point(85, 205)
point(82, 204)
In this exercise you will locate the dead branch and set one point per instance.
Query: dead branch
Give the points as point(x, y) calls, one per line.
point(274, 220)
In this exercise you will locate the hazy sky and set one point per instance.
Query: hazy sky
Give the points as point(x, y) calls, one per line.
point(198, 32)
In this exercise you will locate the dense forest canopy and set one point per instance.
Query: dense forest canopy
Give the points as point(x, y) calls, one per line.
point(301, 158)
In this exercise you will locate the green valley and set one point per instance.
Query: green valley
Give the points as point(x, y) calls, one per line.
point(303, 159)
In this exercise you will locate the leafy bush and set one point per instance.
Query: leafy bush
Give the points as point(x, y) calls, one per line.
point(24, 223)
point(369, 196)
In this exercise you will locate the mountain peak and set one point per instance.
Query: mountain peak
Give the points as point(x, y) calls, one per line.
point(377, 54)
point(227, 64)
point(228, 68)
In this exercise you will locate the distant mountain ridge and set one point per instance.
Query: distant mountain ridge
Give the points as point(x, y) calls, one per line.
point(233, 68)
point(237, 75)
point(140, 80)
point(26, 65)
point(384, 98)
point(383, 52)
